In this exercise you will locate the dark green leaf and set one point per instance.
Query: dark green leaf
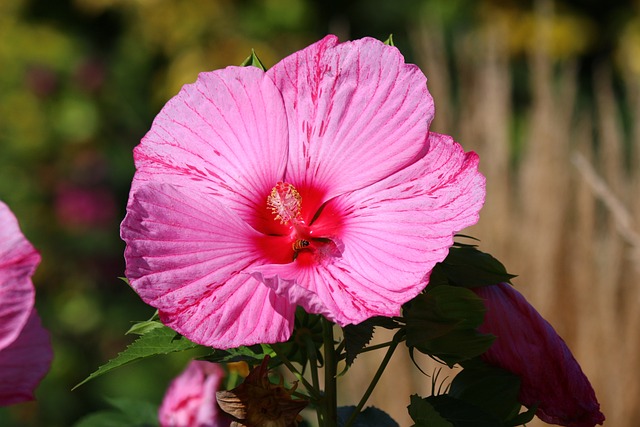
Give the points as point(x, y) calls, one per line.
point(523, 418)
point(306, 340)
point(253, 61)
point(462, 414)
point(126, 412)
point(425, 415)
point(469, 267)
point(138, 411)
point(490, 388)
point(103, 419)
point(253, 355)
point(358, 336)
point(370, 417)
point(157, 341)
point(442, 322)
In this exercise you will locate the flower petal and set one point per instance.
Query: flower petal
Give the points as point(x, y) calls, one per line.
point(186, 256)
point(190, 400)
point(393, 233)
point(18, 261)
point(224, 135)
point(528, 346)
point(25, 362)
point(356, 112)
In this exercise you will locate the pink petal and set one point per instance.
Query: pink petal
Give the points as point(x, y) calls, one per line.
point(18, 261)
point(24, 363)
point(224, 137)
point(186, 256)
point(528, 346)
point(190, 400)
point(357, 113)
point(393, 233)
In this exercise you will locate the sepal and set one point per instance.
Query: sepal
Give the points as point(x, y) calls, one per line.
point(253, 61)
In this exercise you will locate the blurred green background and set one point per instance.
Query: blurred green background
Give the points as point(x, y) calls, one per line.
point(80, 83)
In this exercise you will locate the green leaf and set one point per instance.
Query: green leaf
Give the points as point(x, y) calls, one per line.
point(523, 418)
point(306, 340)
point(460, 413)
point(253, 355)
point(389, 41)
point(125, 412)
point(358, 336)
point(442, 322)
point(493, 389)
point(141, 328)
point(253, 61)
point(370, 417)
point(425, 415)
point(469, 267)
point(157, 341)
point(136, 410)
point(104, 419)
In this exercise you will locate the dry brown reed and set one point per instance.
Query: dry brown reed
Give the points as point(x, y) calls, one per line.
point(563, 215)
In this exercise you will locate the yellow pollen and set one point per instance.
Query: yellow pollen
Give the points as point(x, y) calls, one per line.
point(284, 202)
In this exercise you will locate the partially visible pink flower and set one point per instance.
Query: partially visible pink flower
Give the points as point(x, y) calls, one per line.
point(316, 183)
point(528, 346)
point(25, 348)
point(190, 400)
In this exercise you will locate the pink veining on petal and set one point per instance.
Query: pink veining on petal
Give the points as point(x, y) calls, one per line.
point(356, 112)
point(388, 236)
point(223, 136)
point(190, 400)
point(186, 256)
point(18, 261)
point(367, 199)
point(528, 346)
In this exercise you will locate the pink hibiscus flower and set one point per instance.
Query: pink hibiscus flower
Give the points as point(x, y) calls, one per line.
point(316, 183)
point(528, 346)
point(190, 400)
point(25, 348)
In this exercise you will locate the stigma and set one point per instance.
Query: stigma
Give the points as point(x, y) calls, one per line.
point(285, 203)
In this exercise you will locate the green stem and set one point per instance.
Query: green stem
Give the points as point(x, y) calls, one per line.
point(374, 382)
point(313, 392)
point(313, 365)
point(368, 349)
point(330, 374)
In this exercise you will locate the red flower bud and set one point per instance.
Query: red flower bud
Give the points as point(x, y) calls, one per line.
point(528, 346)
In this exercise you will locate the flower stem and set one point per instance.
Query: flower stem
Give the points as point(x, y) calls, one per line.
point(313, 365)
point(330, 374)
point(313, 392)
point(374, 382)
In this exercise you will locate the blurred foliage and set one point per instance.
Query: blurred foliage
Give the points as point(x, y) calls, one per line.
point(80, 83)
